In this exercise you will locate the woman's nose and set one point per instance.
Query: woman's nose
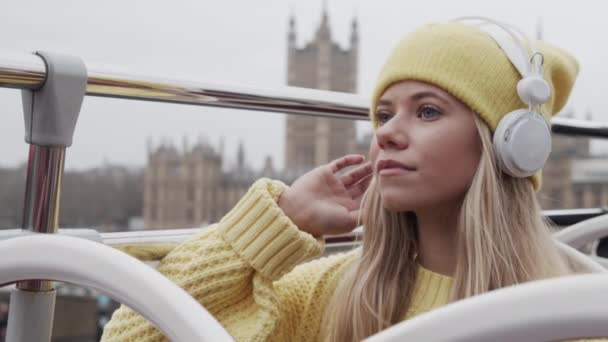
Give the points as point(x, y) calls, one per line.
point(390, 136)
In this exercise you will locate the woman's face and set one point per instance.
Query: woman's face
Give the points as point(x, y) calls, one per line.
point(426, 148)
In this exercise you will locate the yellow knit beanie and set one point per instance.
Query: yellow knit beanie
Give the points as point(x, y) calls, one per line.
point(467, 63)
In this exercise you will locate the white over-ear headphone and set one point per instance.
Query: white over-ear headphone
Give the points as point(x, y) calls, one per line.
point(522, 139)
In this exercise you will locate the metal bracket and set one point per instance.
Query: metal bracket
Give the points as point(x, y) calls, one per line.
point(51, 111)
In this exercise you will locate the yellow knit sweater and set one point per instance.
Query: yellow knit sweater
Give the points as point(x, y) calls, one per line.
point(245, 271)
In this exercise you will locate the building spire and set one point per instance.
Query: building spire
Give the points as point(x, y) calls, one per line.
point(323, 31)
point(268, 168)
point(291, 35)
point(324, 16)
point(185, 144)
point(149, 145)
point(589, 114)
point(539, 29)
point(241, 156)
point(354, 33)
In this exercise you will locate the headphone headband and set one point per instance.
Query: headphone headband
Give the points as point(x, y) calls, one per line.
point(519, 49)
point(522, 139)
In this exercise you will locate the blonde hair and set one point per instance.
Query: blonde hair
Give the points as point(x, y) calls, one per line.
point(502, 240)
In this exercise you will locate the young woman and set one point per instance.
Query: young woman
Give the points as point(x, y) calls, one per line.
point(442, 220)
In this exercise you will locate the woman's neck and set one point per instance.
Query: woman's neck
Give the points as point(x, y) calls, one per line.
point(437, 240)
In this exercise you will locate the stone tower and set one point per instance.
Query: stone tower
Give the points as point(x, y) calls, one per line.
point(320, 64)
point(181, 188)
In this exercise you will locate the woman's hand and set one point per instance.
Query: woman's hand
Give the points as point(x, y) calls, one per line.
point(321, 202)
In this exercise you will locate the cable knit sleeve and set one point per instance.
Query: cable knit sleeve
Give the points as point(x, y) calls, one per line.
point(235, 270)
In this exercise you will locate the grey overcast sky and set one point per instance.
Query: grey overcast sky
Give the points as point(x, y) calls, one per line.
point(245, 42)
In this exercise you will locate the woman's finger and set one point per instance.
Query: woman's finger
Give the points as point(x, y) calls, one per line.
point(357, 174)
point(354, 218)
point(345, 223)
point(342, 162)
point(356, 190)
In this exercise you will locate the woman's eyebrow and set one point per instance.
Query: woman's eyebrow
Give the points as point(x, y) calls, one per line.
point(423, 94)
point(417, 97)
point(383, 102)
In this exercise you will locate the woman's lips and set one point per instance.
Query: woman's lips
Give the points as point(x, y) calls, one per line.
point(390, 167)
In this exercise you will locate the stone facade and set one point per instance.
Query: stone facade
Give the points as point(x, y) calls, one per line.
point(321, 64)
point(191, 187)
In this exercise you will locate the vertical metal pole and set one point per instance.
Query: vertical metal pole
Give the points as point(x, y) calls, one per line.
point(50, 115)
point(42, 195)
point(32, 303)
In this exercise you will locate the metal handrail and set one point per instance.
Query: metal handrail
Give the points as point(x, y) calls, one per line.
point(28, 71)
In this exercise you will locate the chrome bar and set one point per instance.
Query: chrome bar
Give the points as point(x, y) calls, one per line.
point(108, 81)
point(592, 129)
point(28, 71)
point(23, 71)
point(42, 193)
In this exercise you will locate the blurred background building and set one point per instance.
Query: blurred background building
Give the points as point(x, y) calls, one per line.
point(573, 177)
point(320, 64)
point(192, 186)
point(106, 198)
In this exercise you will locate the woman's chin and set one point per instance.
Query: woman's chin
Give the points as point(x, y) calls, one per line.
point(396, 201)
point(397, 205)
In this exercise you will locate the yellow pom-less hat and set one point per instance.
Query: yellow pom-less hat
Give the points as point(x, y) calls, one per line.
point(467, 63)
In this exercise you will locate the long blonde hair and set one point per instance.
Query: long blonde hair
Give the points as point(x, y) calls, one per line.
point(502, 240)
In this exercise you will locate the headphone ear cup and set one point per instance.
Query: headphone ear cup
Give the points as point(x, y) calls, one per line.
point(522, 143)
point(533, 90)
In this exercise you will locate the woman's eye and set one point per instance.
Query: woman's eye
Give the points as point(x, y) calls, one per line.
point(383, 117)
point(429, 113)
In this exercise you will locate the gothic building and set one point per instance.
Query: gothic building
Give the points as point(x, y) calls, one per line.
point(190, 188)
point(193, 186)
point(321, 64)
